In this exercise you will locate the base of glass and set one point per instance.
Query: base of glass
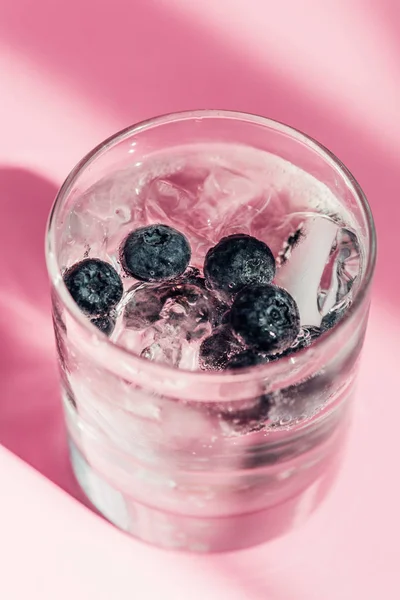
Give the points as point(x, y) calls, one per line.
point(193, 533)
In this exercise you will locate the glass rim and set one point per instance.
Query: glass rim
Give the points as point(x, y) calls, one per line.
point(264, 371)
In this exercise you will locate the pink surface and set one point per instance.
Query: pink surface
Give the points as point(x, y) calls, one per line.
point(73, 73)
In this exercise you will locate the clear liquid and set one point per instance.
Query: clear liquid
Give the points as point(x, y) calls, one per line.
point(208, 193)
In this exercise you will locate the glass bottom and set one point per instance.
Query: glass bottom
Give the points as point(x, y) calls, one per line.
point(193, 533)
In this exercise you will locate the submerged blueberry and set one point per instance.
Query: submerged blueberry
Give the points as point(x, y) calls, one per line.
point(302, 400)
point(237, 261)
point(249, 418)
point(155, 253)
point(217, 349)
point(105, 324)
point(94, 285)
point(265, 318)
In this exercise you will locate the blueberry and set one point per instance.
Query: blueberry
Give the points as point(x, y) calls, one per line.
point(144, 306)
point(302, 400)
point(251, 418)
point(237, 261)
point(245, 359)
point(94, 285)
point(105, 324)
point(155, 253)
point(217, 349)
point(265, 318)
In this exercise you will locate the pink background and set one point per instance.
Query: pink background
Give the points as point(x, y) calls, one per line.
point(72, 73)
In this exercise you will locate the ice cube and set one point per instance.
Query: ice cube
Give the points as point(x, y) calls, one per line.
point(230, 186)
point(110, 200)
point(164, 349)
point(162, 321)
point(248, 218)
point(269, 218)
point(163, 198)
point(340, 273)
point(84, 236)
point(134, 340)
point(230, 197)
point(172, 198)
point(144, 305)
point(301, 274)
point(189, 308)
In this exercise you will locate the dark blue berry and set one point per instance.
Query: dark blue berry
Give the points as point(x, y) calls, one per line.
point(217, 349)
point(94, 285)
point(155, 253)
point(105, 324)
point(245, 359)
point(251, 418)
point(237, 261)
point(265, 318)
point(302, 400)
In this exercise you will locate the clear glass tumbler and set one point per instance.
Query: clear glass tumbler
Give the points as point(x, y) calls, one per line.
point(188, 459)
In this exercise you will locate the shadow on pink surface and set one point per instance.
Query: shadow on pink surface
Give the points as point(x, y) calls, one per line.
point(31, 420)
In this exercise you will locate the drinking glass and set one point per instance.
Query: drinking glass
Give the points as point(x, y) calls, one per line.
point(187, 458)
